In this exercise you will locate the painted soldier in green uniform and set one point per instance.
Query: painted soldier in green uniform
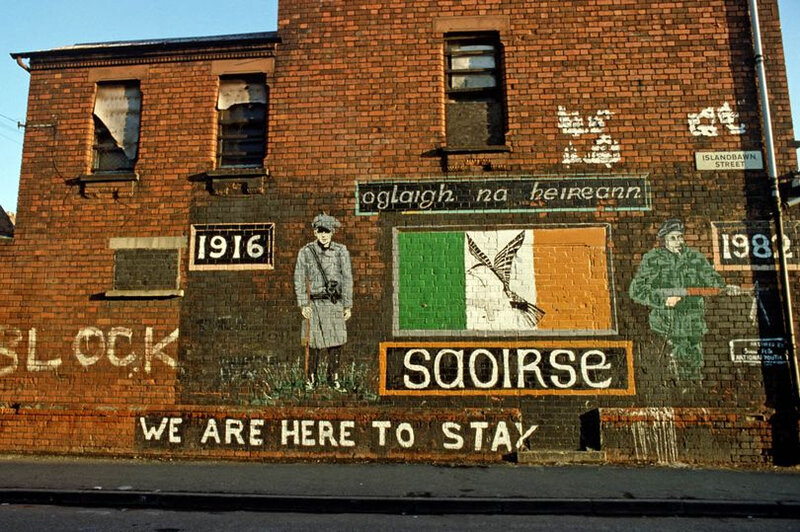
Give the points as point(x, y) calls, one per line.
point(672, 281)
point(323, 285)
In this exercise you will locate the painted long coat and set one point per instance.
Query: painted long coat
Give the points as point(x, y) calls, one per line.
point(327, 320)
point(662, 270)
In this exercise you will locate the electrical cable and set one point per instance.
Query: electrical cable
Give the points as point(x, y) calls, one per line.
point(10, 119)
point(15, 141)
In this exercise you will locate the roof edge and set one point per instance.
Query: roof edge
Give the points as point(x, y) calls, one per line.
point(148, 45)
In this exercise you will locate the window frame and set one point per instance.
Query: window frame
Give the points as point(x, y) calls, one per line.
point(102, 138)
point(172, 244)
point(490, 94)
point(257, 158)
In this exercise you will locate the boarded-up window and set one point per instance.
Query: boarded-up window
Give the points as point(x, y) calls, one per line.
point(117, 112)
point(146, 269)
point(242, 107)
point(475, 111)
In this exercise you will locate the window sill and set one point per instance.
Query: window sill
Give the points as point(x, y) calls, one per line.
point(237, 173)
point(234, 181)
point(107, 177)
point(451, 150)
point(143, 294)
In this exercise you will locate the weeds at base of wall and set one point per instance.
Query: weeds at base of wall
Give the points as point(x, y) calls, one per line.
point(287, 382)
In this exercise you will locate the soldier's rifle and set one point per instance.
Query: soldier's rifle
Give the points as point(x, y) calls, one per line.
point(707, 291)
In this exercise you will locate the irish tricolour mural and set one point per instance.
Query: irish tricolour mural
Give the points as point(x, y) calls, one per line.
point(510, 280)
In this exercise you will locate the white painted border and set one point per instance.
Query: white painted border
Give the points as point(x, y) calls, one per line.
point(397, 332)
point(229, 267)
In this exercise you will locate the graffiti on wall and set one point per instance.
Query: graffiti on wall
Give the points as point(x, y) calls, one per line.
point(357, 431)
point(508, 281)
point(506, 368)
point(518, 194)
point(90, 346)
point(673, 280)
point(707, 121)
point(605, 150)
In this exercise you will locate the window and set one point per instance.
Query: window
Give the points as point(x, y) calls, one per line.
point(475, 111)
point(117, 111)
point(242, 107)
point(146, 267)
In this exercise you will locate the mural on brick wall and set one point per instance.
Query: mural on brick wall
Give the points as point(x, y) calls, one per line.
point(459, 368)
point(323, 286)
point(508, 194)
point(438, 433)
point(673, 281)
point(360, 280)
point(234, 246)
point(505, 281)
point(752, 245)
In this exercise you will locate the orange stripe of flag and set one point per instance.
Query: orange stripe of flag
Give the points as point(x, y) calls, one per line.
point(572, 285)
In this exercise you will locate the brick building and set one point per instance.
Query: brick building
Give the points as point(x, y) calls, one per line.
point(556, 219)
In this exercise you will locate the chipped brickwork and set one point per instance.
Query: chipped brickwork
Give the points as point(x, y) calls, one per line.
point(660, 435)
point(594, 95)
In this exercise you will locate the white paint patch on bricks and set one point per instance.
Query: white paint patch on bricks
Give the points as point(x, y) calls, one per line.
point(605, 151)
point(704, 123)
point(655, 436)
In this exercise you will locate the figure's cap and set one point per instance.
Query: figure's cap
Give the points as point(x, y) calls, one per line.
point(325, 221)
point(670, 226)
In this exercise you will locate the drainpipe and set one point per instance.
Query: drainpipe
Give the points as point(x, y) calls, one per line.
point(22, 64)
point(772, 169)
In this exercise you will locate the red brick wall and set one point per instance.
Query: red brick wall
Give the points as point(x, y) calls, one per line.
point(357, 95)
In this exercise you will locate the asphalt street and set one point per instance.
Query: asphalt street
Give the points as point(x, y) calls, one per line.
point(27, 518)
point(400, 488)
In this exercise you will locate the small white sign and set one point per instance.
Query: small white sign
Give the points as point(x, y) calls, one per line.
point(764, 351)
point(729, 160)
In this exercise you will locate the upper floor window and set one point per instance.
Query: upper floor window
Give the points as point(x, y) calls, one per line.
point(117, 112)
point(242, 109)
point(475, 112)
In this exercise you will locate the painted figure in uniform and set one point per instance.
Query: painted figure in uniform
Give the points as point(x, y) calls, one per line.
point(323, 284)
point(672, 280)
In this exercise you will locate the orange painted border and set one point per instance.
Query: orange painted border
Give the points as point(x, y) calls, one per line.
point(626, 344)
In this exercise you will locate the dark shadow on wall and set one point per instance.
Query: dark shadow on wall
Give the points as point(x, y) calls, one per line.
point(590, 438)
point(779, 391)
point(235, 324)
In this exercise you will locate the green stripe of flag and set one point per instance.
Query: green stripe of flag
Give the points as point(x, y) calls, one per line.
point(432, 280)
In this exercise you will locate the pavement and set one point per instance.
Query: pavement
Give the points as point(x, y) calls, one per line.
point(401, 488)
